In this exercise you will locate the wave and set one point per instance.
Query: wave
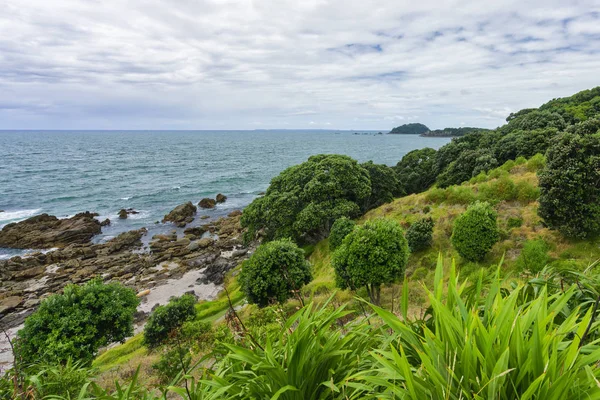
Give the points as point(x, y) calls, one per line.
point(125, 198)
point(18, 215)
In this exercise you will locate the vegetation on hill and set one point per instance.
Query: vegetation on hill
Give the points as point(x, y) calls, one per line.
point(453, 132)
point(513, 315)
point(414, 128)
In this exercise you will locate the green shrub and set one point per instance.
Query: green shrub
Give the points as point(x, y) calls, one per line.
point(371, 255)
point(435, 195)
point(164, 320)
point(459, 195)
point(420, 234)
point(417, 170)
point(570, 186)
point(426, 210)
point(526, 192)
point(173, 361)
point(384, 185)
point(64, 380)
point(419, 274)
point(274, 273)
point(339, 230)
point(475, 231)
point(536, 162)
point(76, 323)
point(514, 222)
point(534, 256)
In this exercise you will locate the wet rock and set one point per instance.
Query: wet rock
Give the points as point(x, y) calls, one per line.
point(221, 198)
point(46, 231)
point(235, 213)
point(182, 214)
point(207, 203)
point(197, 231)
point(125, 240)
point(123, 214)
point(106, 222)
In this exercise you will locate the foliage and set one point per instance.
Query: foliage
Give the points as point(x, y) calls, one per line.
point(274, 273)
point(303, 201)
point(570, 186)
point(165, 319)
point(488, 344)
point(534, 256)
point(420, 234)
point(461, 131)
point(468, 164)
point(414, 128)
point(384, 185)
point(475, 231)
point(339, 230)
point(371, 255)
point(172, 362)
point(76, 323)
point(417, 170)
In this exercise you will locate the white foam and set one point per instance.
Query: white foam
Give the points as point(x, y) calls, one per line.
point(14, 216)
point(125, 198)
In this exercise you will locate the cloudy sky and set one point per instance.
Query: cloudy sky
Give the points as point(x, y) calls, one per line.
point(248, 64)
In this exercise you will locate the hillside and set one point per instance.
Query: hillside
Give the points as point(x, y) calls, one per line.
point(410, 129)
point(453, 132)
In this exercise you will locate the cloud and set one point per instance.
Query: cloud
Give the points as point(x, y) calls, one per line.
point(219, 64)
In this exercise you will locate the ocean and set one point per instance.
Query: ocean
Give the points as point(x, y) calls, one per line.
point(65, 172)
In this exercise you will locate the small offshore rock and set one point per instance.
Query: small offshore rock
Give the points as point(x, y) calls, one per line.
point(207, 203)
point(221, 198)
point(106, 222)
point(182, 214)
point(123, 214)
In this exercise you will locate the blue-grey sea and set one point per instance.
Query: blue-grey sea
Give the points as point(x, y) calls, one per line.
point(66, 172)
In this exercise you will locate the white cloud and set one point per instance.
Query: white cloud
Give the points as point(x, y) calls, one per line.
point(203, 64)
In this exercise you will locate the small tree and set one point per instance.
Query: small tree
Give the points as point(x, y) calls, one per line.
point(534, 256)
point(165, 319)
point(339, 230)
point(274, 273)
point(570, 186)
point(475, 231)
point(76, 323)
point(420, 234)
point(371, 255)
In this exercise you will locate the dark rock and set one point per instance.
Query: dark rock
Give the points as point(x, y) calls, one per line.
point(195, 231)
point(221, 198)
point(234, 213)
point(106, 222)
point(215, 272)
point(182, 214)
point(207, 203)
point(46, 231)
point(123, 214)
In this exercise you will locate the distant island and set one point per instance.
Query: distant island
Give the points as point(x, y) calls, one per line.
point(423, 130)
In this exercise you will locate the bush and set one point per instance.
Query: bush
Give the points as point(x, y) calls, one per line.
point(420, 234)
point(526, 192)
point(514, 222)
point(371, 255)
point(76, 323)
point(164, 320)
point(339, 230)
point(534, 256)
point(384, 185)
point(303, 201)
point(274, 272)
point(417, 170)
point(475, 231)
point(570, 186)
point(172, 362)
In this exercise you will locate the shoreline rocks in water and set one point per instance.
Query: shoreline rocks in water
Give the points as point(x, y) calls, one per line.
point(207, 203)
point(181, 215)
point(221, 198)
point(47, 231)
point(211, 250)
point(124, 213)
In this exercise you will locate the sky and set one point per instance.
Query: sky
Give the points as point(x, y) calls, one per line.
point(302, 64)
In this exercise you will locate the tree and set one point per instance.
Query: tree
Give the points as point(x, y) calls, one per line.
point(304, 200)
point(475, 231)
point(570, 186)
point(371, 255)
point(76, 323)
point(274, 273)
point(384, 185)
point(420, 234)
point(165, 319)
point(417, 170)
point(339, 230)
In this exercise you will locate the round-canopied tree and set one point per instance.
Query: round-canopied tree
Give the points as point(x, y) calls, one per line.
point(417, 170)
point(339, 230)
point(303, 201)
point(371, 255)
point(384, 185)
point(76, 323)
point(570, 186)
point(165, 319)
point(420, 234)
point(475, 231)
point(274, 273)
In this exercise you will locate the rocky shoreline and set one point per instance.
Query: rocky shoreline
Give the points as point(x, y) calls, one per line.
point(208, 250)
